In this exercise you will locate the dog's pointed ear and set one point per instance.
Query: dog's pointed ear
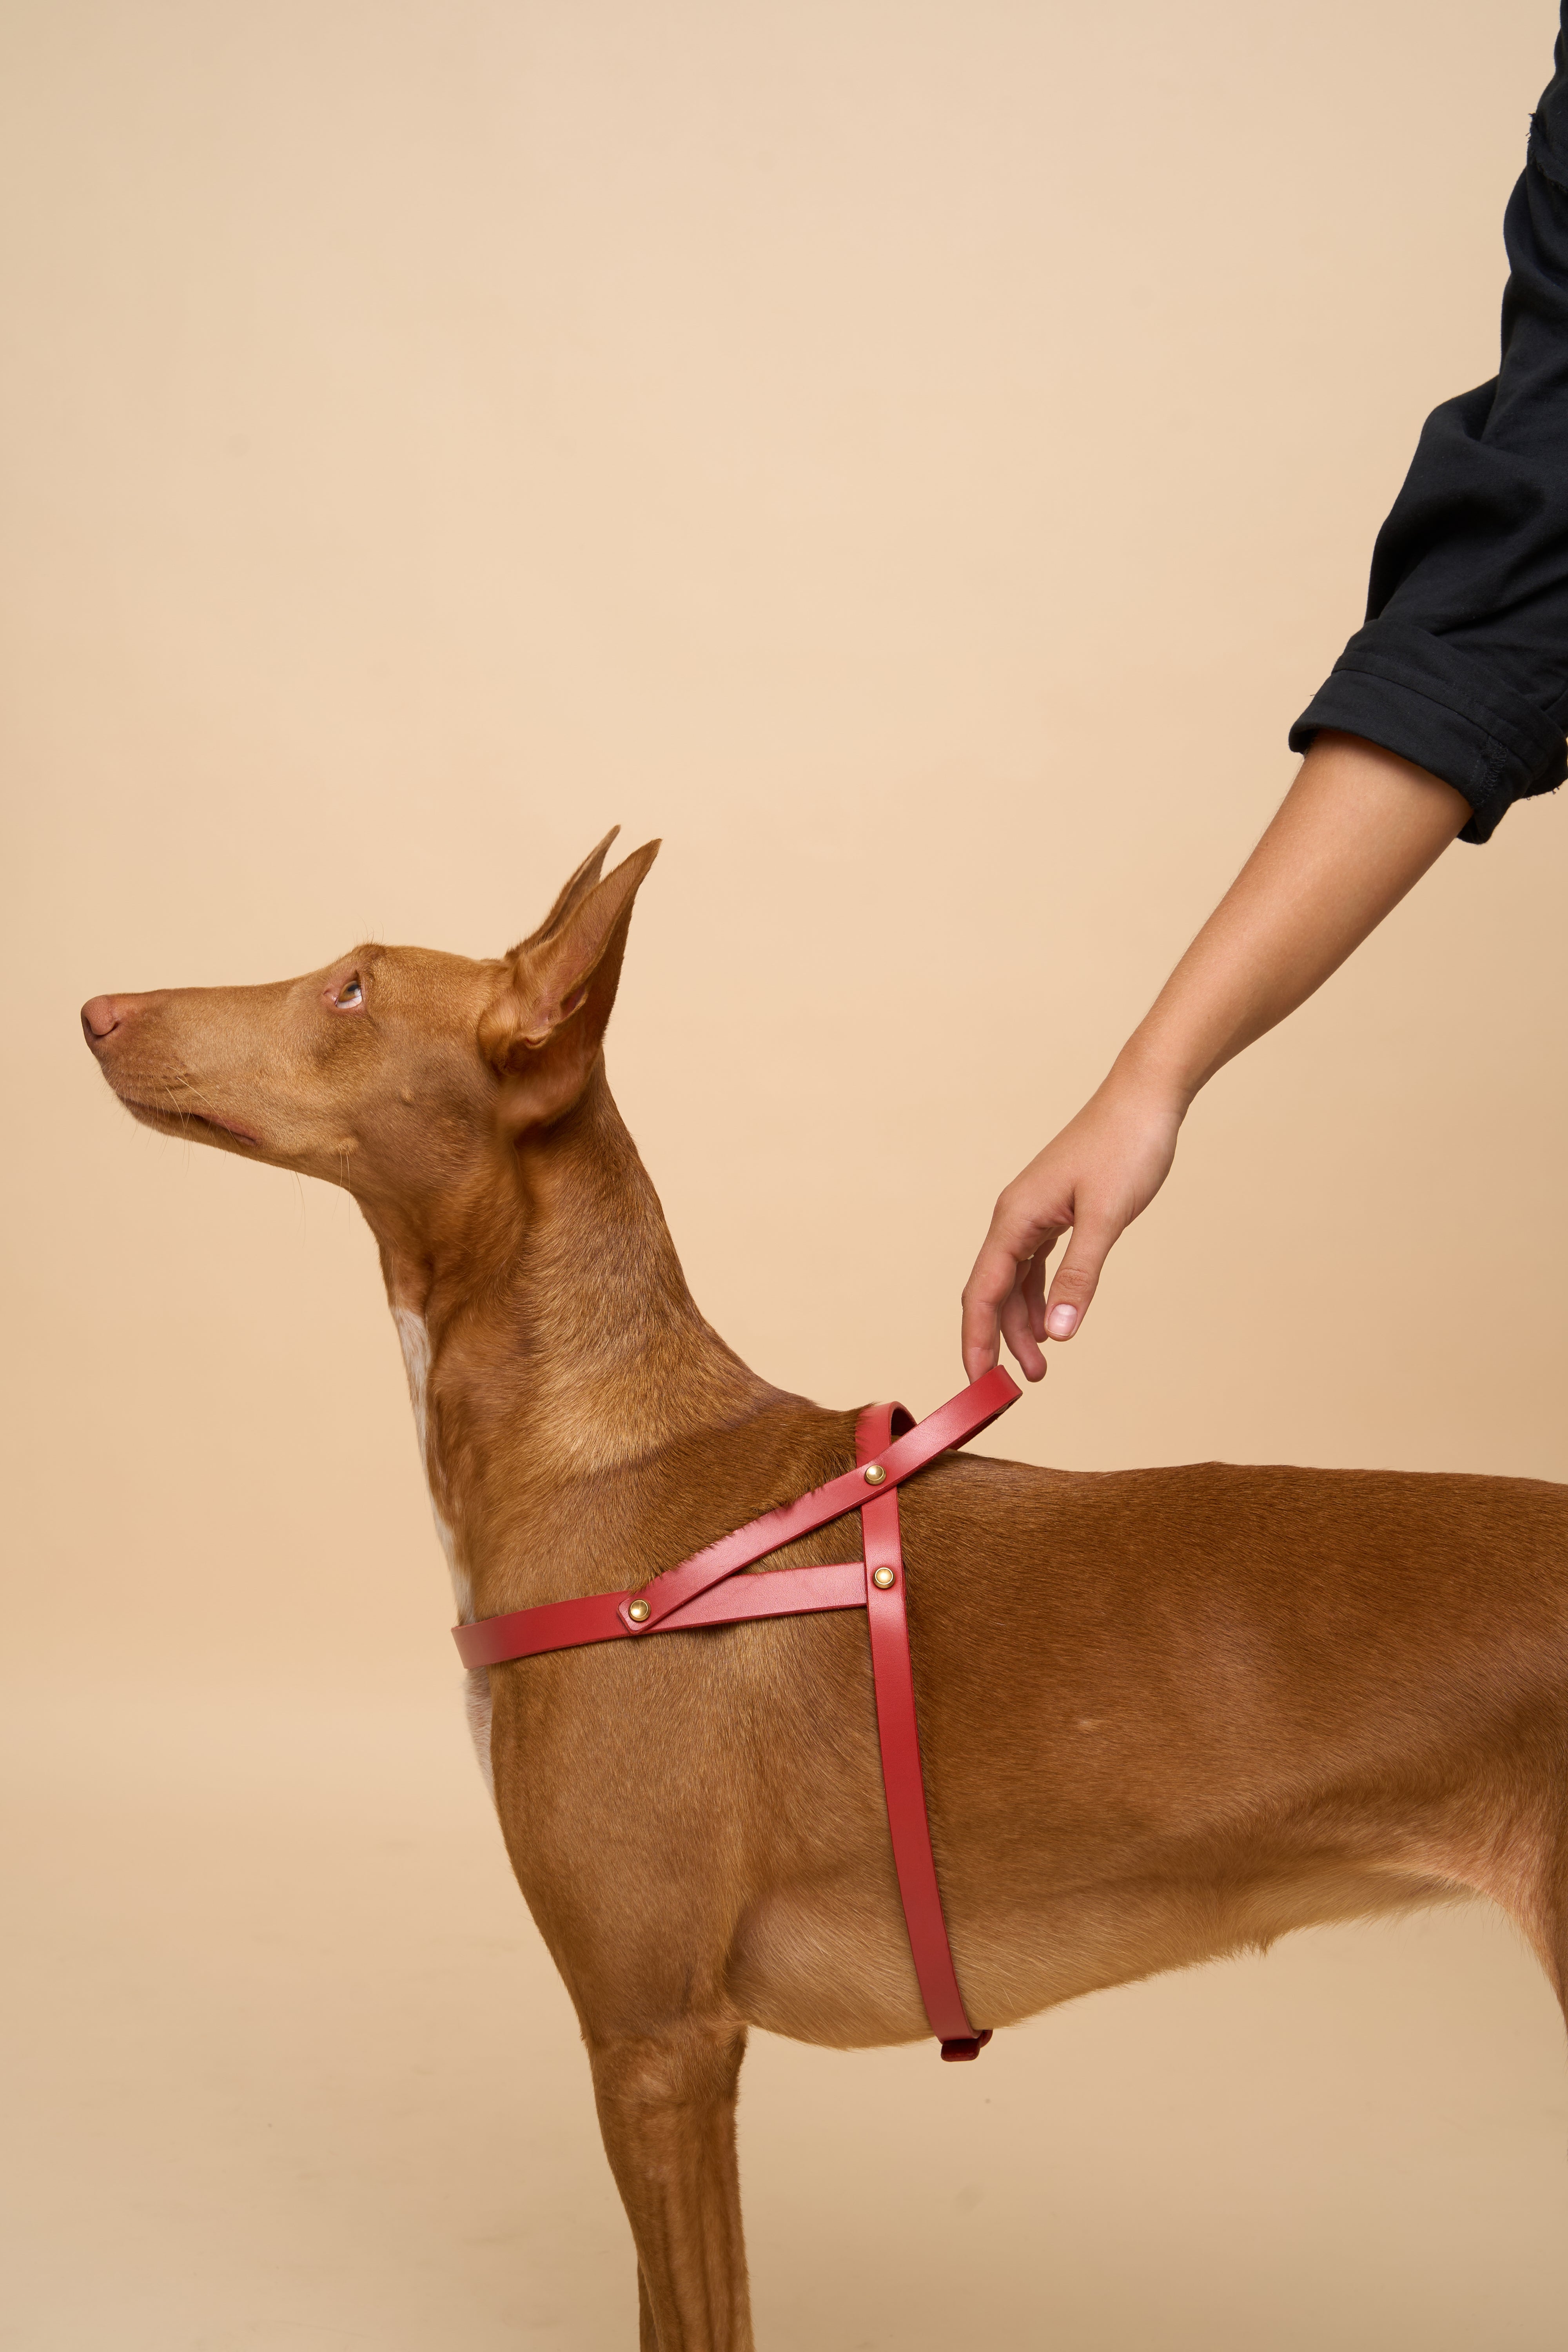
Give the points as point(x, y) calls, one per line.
point(575, 887)
point(542, 1030)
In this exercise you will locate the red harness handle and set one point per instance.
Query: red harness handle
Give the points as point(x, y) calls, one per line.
point(708, 1590)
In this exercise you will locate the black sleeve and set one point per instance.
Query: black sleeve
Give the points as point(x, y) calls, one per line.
point(1463, 663)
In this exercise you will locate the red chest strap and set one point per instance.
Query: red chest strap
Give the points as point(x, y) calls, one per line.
point(708, 1590)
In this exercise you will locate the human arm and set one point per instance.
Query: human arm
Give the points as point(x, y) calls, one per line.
point(1459, 675)
point(1358, 828)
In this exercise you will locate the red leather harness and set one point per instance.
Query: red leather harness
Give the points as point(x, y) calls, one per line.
point(709, 1590)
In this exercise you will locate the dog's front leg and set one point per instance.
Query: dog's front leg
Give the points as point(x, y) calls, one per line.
point(666, 2110)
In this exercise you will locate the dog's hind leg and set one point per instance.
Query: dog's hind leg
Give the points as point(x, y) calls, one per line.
point(666, 2110)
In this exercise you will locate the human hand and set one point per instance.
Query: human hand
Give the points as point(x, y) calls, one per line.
point(1357, 826)
point(1094, 1178)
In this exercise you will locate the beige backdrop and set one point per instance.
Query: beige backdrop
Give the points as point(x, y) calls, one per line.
point(918, 458)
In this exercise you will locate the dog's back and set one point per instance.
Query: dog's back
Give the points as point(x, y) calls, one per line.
point(1180, 1709)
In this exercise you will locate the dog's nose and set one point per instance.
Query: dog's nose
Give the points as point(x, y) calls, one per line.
point(101, 1016)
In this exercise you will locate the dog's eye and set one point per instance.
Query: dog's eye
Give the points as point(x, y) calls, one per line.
point(349, 996)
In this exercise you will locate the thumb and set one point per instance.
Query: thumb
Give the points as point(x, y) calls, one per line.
point(1077, 1278)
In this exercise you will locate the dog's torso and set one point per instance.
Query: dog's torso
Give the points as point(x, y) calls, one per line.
point(1164, 1714)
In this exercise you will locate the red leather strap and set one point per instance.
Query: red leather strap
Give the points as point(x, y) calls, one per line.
point(707, 1590)
point(572, 1624)
point(899, 1733)
point(964, 1416)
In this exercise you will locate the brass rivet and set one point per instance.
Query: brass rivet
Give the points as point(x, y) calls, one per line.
point(638, 1612)
point(883, 1579)
point(874, 1473)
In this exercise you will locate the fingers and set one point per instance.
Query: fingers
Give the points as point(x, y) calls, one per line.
point(1016, 1330)
point(990, 1284)
point(1077, 1278)
point(1004, 1296)
point(1035, 1289)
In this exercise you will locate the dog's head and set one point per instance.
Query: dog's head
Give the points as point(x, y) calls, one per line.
point(393, 1069)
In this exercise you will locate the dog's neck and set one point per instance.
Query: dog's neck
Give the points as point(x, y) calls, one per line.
point(545, 1321)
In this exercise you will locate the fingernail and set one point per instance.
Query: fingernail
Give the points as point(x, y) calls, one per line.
point(1062, 1322)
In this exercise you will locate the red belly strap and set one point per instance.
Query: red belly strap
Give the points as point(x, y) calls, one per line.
point(709, 1590)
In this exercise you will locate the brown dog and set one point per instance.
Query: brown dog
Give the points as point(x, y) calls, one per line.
point(1165, 1713)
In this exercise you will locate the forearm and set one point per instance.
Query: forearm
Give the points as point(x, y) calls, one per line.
point(1357, 829)
point(1357, 826)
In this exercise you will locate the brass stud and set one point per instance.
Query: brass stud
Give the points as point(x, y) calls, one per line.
point(874, 1473)
point(638, 1611)
point(884, 1579)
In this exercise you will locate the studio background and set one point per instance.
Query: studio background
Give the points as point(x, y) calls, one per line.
point(918, 459)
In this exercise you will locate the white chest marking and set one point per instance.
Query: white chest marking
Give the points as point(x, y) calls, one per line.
point(477, 1707)
point(415, 1343)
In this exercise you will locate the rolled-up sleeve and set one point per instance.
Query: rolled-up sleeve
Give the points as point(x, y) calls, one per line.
point(1462, 666)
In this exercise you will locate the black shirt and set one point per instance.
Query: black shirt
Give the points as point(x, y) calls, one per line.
point(1462, 666)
